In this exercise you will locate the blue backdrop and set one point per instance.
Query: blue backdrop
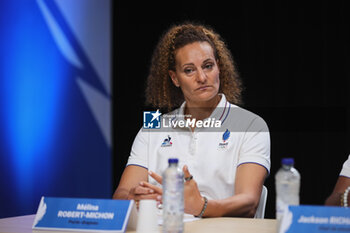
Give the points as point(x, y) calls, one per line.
point(55, 116)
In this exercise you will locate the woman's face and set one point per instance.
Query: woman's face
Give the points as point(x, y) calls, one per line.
point(197, 72)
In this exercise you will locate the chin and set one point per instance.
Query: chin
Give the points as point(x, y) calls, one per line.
point(206, 96)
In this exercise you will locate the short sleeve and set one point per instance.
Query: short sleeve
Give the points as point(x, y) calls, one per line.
point(345, 171)
point(256, 144)
point(139, 151)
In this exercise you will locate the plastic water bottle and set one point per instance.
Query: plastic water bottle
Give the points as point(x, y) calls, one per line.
point(287, 180)
point(173, 198)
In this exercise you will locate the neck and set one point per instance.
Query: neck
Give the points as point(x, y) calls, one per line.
point(201, 110)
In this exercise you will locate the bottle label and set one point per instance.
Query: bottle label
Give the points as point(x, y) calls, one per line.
point(280, 207)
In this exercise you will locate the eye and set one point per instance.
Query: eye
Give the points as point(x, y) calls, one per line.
point(208, 66)
point(188, 70)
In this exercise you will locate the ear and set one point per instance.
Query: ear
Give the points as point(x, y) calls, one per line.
point(173, 77)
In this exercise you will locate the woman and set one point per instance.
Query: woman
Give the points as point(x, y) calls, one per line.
point(192, 68)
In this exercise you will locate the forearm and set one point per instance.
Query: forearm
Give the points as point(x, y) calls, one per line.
point(241, 205)
point(121, 193)
point(249, 181)
point(342, 183)
point(131, 178)
point(334, 199)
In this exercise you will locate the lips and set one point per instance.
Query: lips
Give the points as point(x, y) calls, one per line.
point(202, 88)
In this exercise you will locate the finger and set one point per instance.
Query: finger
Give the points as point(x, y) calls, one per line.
point(186, 171)
point(155, 176)
point(152, 187)
point(142, 190)
point(147, 197)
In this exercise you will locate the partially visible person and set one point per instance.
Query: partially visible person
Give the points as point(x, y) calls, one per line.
point(343, 182)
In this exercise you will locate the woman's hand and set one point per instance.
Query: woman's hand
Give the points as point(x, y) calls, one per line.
point(192, 197)
point(142, 192)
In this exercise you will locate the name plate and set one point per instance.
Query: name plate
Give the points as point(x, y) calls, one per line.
point(79, 214)
point(315, 219)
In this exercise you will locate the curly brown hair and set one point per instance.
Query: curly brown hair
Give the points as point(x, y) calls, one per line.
point(160, 91)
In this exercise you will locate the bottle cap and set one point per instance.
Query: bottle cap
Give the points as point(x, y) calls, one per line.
point(288, 161)
point(173, 160)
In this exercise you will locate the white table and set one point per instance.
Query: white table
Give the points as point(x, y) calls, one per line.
point(23, 224)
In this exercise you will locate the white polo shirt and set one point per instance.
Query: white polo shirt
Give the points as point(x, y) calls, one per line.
point(345, 171)
point(211, 154)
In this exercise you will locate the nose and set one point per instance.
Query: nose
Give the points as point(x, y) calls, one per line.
point(201, 76)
